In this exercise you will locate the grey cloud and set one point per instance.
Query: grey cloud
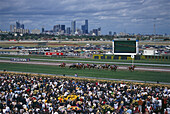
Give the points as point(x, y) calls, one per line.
point(103, 12)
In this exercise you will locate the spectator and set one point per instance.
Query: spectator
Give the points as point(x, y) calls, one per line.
point(76, 75)
point(21, 93)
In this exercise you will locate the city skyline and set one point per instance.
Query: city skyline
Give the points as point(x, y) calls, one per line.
point(117, 16)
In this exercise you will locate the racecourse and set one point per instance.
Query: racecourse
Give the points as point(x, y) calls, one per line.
point(149, 71)
point(123, 62)
point(120, 67)
point(140, 73)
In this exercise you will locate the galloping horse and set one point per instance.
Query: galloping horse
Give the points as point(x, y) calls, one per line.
point(105, 66)
point(113, 67)
point(92, 66)
point(73, 66)
point(62, 65)
point(131, 68)
point(86, 66)
point(99, 67)
point(79, 65)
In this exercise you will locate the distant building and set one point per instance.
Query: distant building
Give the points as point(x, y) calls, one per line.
point(68, 30)
point(86, 26)
point(99, 31)
point(95, 32)
point(78, 32)
point(122, 34)
point(18, 26)
point(63, 28)
point(12, 27)
point(73, 27)
point(83, 29)
point(22, 26)
point(43, 30)
point(56, 28)
point(22, 31)
point(3, 32)
point(35, 31)
point(110, 33)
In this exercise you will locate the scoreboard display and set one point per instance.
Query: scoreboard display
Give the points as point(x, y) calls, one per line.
point(125, 47)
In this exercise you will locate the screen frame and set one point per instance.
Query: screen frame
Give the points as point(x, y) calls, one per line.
point(113, 45)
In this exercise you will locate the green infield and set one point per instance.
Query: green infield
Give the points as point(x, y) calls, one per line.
point(120, 74)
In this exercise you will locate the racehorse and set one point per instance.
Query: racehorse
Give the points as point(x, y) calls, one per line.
point(113, 67)
point(86, 66)
point(92, 66)
point(79, 65)
point(62, 65)
point(72, 66)
point(131, 68)
point(105, 66)
point(99, 67)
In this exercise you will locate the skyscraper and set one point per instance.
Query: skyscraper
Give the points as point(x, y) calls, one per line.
point(18, 26)
point(95, 32)
point(43, 29)
point(22, 26)
point(99, 31)
point(56, 28)
point(86, 26)
point(68, 31)
point(73, 27)
point(63, 28)
point(11, 28)
point(83, 29)
point(110, 33)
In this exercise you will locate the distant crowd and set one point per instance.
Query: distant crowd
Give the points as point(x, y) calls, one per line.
point(26, 94)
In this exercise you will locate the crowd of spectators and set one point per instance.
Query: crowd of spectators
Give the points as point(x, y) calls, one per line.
point(27, 94)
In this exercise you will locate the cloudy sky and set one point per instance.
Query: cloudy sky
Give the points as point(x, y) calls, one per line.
point(130, 16)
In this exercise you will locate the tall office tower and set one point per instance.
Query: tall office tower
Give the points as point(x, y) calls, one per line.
point(110, 33)
point(56, 28)
point(63, 28)
point(83, 29)
point(68, 30)
point(73, 27)
point(114, 33)
point(86, 26)
point(11, 28)
point(43, 29)
point(18, 26)
point(99, 31)
point(95, 32)
point(22, 26)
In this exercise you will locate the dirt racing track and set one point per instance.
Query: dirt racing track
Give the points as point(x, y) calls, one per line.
point(140, 68)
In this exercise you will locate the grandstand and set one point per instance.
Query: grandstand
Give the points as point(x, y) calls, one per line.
point(31, 93)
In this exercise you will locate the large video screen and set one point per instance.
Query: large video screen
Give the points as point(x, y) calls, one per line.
point(124, 46)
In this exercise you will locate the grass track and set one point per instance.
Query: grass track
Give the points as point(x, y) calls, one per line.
point(120, 74)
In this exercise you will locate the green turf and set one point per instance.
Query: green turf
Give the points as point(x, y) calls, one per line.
point(120, 74)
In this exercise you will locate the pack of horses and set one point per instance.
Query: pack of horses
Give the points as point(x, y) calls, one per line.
point(95, 66)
